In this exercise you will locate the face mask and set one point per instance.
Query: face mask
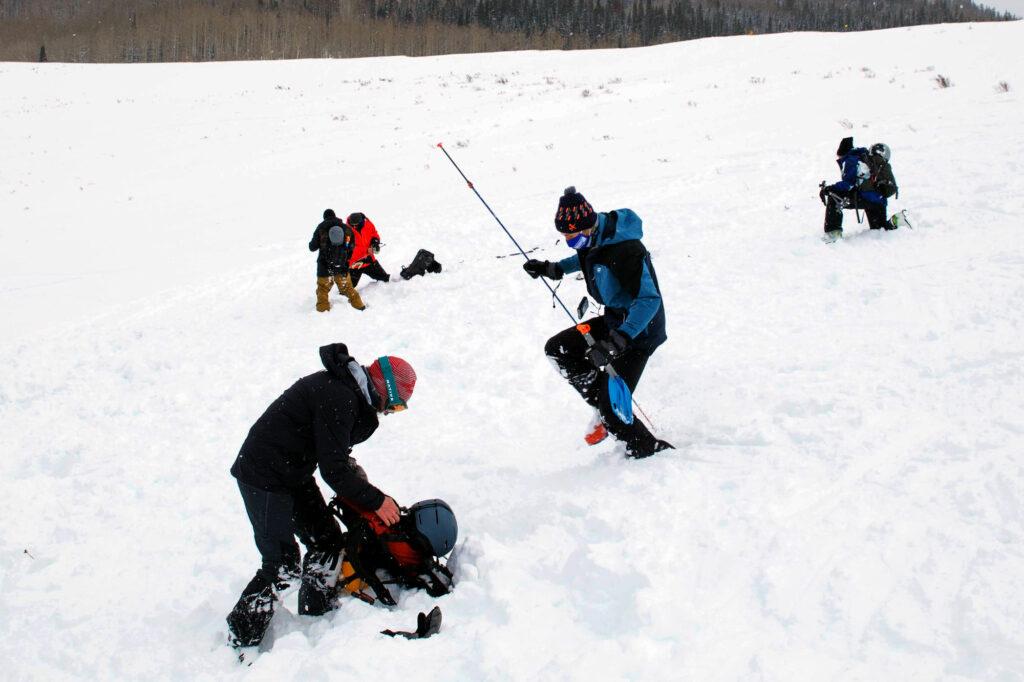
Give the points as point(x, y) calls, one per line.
point(578, 240)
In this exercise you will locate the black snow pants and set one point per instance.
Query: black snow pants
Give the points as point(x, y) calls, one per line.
point(850, 200)
point(276, 518)
point(568, 350)
point(374, 271)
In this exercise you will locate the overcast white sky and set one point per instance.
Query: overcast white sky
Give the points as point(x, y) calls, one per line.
point(1015, 7)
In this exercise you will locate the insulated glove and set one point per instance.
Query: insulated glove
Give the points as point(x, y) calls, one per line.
point(538, 268)
point(375, 245)
point(426, 625)
point(604, 352)
point(618, 343)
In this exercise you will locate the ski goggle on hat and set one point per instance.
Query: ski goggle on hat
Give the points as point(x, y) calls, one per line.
point(393, 400)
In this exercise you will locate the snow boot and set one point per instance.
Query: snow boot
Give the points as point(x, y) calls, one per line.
point(249, 620)
point(597, 434)
point(832, 235)
point(286, 576)
point(897, 219)
point(318, 592)
point(646, 449)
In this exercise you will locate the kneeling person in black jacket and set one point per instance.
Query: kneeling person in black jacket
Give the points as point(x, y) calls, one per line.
point(313, 424)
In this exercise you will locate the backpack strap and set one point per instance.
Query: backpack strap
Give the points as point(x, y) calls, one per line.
point(357, 548)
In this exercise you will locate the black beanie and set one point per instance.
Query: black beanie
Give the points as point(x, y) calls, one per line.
point(356, 220)
point(845, 145)
point(329, 213)
point(574, 212)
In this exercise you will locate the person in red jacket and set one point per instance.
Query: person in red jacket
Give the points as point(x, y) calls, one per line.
point(365, 250)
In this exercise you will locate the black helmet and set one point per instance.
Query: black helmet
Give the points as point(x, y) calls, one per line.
point(435, 524)
point(356, 220)
point(881, 149)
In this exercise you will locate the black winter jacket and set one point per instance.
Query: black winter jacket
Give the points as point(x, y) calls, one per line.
point(314, 423)
point(332, 259)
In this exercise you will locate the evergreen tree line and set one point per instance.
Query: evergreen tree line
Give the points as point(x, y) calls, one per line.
point(204, 30)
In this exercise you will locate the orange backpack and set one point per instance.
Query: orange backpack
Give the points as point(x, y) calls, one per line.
point(376, 555)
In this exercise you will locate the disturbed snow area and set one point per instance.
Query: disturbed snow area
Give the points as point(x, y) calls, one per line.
point(845, 500)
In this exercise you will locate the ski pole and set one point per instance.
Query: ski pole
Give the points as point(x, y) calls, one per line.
point(489, 210)
point(584, 329)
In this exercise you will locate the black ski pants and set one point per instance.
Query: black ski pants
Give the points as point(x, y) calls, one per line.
point(374, 271)
point(277, 517)
point(835, 203)
point(568, 350)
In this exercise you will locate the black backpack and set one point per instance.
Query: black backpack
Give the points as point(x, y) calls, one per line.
point(882, 180)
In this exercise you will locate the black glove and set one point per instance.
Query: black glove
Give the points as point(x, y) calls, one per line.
point(604, 353)
point(426, 625)
point(538, 268)
point(375, 245)
point(618, 343)
point(822, 194)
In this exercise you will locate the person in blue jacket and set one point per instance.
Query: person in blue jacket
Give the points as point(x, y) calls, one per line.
point(620, 276)
point(859, 188)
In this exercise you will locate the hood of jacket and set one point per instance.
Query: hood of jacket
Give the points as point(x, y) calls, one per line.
point(626, 226)
point(329, 223)
point(343, 366)
point(336, 358)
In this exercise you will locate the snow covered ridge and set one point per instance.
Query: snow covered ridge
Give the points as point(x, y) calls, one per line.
point(846, 500)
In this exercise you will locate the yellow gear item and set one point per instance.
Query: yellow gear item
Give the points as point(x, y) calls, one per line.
point(355, 586)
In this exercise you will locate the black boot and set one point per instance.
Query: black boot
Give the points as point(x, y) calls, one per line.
point(318, 592)
point(249, 620)
point(646, 448)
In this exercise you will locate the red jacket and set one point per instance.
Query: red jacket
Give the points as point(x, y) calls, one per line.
point(362, 256)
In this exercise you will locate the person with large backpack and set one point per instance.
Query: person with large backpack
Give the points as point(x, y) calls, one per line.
point(620, 276)
point(333, 241)
point(365, 247)
point(313, 425)
point(866, 184)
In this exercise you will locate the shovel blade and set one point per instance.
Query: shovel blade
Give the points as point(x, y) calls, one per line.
point(621, 399)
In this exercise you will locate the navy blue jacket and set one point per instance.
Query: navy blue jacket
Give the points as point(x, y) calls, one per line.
point(620, 276)
point(313, 424)
point(855, 172)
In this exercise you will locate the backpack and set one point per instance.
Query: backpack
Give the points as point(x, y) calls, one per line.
point(398, 552)
point(882, 180)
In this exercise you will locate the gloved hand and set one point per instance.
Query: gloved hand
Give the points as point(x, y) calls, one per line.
point(822, 194)
point(618, 343)
point(375, 245)
point(538, 268)
point(606, 351)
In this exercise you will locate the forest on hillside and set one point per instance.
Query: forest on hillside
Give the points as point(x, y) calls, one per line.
point(205, 30)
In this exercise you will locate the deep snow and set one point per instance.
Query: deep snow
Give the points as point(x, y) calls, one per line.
point(845, 502)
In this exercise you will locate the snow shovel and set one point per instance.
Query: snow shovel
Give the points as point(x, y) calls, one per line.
point(619, 395)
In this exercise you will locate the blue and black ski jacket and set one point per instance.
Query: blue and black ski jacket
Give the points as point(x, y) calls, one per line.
point(855, 172)
point(620, 276)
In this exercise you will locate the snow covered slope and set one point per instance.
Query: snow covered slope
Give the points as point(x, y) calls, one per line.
point(846, 500)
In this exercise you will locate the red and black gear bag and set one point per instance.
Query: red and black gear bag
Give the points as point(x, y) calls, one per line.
point(398, 551)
